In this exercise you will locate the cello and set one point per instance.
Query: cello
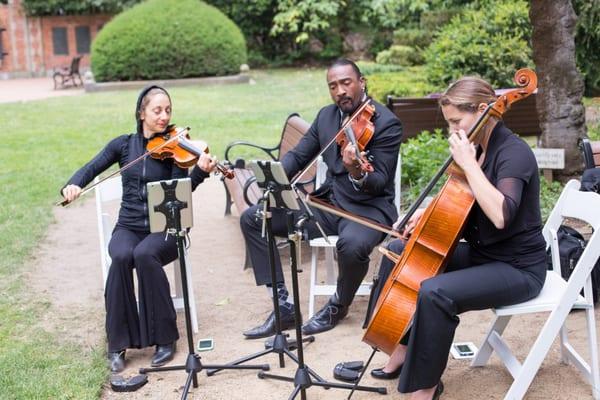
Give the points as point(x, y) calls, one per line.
point(436, 234)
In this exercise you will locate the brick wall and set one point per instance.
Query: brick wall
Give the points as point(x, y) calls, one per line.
point(29, 40)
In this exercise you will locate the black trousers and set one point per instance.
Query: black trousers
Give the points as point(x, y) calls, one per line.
point(353, 247)
point(468, 283)
point(156, 321)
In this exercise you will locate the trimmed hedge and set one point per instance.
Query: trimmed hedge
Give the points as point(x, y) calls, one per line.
point(168, 39)
point(409, 82)
point(492, 42)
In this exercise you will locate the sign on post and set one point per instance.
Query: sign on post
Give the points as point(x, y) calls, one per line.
point(549, 159)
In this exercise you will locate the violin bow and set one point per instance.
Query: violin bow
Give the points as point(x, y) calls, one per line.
point(180, 132)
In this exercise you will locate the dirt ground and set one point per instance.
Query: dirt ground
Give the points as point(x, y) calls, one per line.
point(229, 302)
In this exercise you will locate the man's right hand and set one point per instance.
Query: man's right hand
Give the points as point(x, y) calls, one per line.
point(71, 192)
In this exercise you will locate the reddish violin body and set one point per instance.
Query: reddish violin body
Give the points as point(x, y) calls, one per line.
point(433, 239)
point(359, 131)
point(183, 151)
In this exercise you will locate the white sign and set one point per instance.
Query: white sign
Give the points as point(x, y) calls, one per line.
point(550, 158)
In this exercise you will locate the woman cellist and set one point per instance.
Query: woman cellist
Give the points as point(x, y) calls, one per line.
point(132, 245)
point(503, 260)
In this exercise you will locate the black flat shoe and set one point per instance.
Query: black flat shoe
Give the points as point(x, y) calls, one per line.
point(269, 328)
point(325, 319)
point(164, 353)
point(116, 360)
point(438, 391)
point(379, 373)
point(348, 371)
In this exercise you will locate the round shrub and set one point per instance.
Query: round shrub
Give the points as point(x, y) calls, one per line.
point(492, 42)
point(168, 39)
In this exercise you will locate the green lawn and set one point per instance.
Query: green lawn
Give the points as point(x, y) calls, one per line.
point(45, 142)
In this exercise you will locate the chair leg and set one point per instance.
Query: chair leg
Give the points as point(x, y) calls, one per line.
point(313, 280)
point(486, 350)
point(593, 346)
point(537, 353)
point(329, 263)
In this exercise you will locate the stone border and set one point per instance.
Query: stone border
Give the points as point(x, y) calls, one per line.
point(126, 85)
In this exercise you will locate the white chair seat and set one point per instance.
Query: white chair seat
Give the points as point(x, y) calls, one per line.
point(554, 287)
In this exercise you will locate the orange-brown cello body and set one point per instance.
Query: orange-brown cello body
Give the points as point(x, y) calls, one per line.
point(432, 241)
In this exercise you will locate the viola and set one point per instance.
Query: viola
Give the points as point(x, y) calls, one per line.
point(175, 144)
point(359, 131)
point(436, 234)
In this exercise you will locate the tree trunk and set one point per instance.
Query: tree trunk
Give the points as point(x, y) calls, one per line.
point(560, 85)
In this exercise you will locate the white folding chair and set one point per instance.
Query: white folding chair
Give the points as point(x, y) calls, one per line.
point(111, 190)
point(328, 288)
point(557, 298)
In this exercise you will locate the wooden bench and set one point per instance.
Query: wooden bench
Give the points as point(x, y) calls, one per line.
point(243, 190)
point(68, 74)
point(424, 114)
point(591, 153)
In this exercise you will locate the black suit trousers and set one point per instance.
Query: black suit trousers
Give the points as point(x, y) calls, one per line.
point(353, 247)
point(156, 322)
point(467, 284)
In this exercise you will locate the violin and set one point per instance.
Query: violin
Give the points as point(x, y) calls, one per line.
point(359, 131)
point(175, 144)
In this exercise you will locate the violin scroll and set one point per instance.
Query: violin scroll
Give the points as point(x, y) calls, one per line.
point(526, 79)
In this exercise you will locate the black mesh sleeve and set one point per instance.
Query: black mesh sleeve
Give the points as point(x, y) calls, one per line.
point(512, 189)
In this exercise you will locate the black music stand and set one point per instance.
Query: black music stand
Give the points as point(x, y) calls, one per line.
point(272, 177)
point(277, 193)
point(164, 201)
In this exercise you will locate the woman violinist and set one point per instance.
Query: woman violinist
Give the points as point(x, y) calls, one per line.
point(503, 260)
point(132, 245)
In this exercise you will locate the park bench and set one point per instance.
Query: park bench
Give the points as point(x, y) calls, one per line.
point(591, 153)
point(243, 190)
point(424, 114)
point(68, 74)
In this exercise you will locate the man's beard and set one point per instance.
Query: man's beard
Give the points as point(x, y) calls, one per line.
point(347, 105)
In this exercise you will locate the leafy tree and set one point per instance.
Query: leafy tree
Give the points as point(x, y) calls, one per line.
point(587, 42)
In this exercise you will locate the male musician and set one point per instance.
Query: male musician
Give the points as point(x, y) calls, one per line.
point(369, 195)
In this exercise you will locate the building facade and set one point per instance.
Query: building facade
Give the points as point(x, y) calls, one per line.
point(35, 46)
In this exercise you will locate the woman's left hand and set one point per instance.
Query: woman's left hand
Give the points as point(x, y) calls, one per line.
point(207, 163)
point(462, 150)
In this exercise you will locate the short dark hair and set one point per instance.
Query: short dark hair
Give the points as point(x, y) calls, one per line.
point(344, 61)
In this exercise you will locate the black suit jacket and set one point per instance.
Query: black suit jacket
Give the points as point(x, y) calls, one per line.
point(375, 199)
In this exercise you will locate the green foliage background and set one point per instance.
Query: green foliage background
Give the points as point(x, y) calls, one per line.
point(74, 7)
point(168, 39)
point(492, 42)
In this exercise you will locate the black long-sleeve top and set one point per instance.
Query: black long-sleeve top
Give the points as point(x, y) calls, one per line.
point(123, 149)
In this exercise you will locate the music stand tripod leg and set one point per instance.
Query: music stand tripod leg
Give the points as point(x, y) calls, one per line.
point(302, 379)
point(171, 208)
point(280, 344)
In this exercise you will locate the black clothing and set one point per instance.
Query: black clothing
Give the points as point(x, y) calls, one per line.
point(497, 267)
point(520, 243)
point(374, 200)
point(155, 322)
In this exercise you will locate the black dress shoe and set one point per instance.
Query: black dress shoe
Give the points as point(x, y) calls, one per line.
point(164, 353)
point(438, 391)
point(325, 319)
point(379, 373)
point(116, 360)
point(268, 327)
